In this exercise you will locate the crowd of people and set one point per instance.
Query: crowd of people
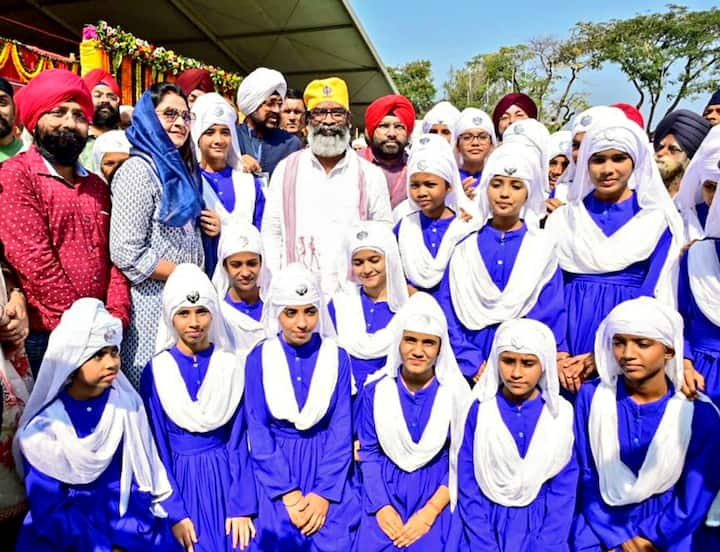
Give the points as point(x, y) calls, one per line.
point(228, 326)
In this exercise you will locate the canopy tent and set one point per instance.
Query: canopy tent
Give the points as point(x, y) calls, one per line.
point(304, 39)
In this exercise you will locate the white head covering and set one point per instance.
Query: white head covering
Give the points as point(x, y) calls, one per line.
point(212, 109)
point(257, 87)
point(534, 134)
point(585, 119)
point(665, 457)
point(560, 143)
point(46, 436)
point(443, 113)
point(504, 476)
point(705, 165)
point(189, 286)
point(470, 118)
point(112, 141)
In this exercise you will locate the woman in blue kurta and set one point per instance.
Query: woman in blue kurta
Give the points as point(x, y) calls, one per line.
point(405, 435)
point(92, 472)
point(516, 468)
point(300, 423)
point(428, 235)
point(229, 193)
point(507, 269)
point(241, 278)
point(648, 456)
point(193, 390)
point(617, 195)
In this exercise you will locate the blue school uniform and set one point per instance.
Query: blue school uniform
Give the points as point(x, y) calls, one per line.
point(86, 518)
point(384, 483)
point(672, 520)
point(589, 298)
point(254, 311)
point(479, 524)
point(477, 176)
point(210, 473)
point(499, 252)
point(314, 460)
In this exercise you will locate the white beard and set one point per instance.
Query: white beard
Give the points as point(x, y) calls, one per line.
point(328, 146)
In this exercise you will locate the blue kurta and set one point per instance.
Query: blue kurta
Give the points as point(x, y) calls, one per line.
point(384, 483)
point(499, 252)
point(702, 337)
point(210, 473)
point(480, 524)
point(315, 460)
point(254, 311)
point(275, 146)
point(86, 518)
point(477, 176)
point(589, 298)
point(672, 520)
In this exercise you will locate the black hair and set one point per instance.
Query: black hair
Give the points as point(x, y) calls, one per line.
point(294, 94)
point(158, 91)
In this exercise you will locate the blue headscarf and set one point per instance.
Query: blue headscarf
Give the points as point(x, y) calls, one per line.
point(181, 200)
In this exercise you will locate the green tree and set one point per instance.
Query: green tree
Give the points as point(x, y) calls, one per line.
point(414, 80)
point(666, 56)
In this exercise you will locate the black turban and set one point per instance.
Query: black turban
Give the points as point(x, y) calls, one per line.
point(688, 127)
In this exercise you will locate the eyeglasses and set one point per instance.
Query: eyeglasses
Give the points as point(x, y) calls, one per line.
point(336, 113)
point(467, 138)
point(171, 114)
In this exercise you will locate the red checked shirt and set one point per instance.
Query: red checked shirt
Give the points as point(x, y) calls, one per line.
point(56, 238)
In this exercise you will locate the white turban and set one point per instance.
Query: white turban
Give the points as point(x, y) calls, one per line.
point(238, 237)
point(212, 109)
point(443, 113)
point(113, 141)
point(600, 113)
point(472, 117)
point(257, 87)
point(560, 143)
point(532, 133)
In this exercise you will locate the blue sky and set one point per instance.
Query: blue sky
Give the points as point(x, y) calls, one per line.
point(449, 33)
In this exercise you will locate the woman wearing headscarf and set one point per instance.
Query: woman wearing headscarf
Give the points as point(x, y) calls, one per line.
point(559, 177)
point(405, 435)
point(156, 204)
point(516, 468)
point(507, 269)
point(474, 140)
point(242, 279)
point(619, 235)
point(429, 233)
point(648, 456)
point(92, 471)
point(193, 391)
point(232, 194)
point(300, 423)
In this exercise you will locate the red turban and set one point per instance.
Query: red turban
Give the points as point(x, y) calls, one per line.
point(396, 104)
point(523, 101)
point(100, 76)
point(632, 113)
point(195, 79)
point(48, 90)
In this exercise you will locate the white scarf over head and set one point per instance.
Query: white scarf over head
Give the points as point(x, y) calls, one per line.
point(257, 87)
point(472, 118)
point(46, 436)
point(442, 113)
point(350, 318)
point(420, 314)
point(504, 476)
point(240, 238)
point(663, 464)
point(223, 385)
point(583, 248)
point(296, 286)
point(476, 299)
point(534, 134)
point(560, 143)
point(112, 141)
point(212, 109)
point(705, 165)
point(432, 154)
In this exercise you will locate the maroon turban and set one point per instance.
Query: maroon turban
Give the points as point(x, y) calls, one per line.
point(523, 101)
point(195, 79)
point(100, 76)
point(396, 104)
point(632, 113)
point(48, 90)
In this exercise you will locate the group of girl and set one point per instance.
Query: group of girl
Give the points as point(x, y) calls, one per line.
point(486, 378)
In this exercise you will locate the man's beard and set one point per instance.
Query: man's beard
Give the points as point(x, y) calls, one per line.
point(328, 145)
point(106, 116)
point(671, 171)
point(387, 150)
point(62, 146)
point(271, 120)
point(5, 127)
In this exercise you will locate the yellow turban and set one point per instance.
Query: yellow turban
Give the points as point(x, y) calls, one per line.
point(327, 90)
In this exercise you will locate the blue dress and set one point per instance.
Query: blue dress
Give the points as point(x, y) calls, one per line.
point(589, 298)
point(385, 483)
point(673, 520)
point(499, 252)
point(253, 311)
point(86, 518)
point(210, 473)
point(702, 337)
point(543, 525)
point(315, 460)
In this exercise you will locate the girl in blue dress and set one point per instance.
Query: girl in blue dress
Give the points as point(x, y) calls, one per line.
point(193, 390)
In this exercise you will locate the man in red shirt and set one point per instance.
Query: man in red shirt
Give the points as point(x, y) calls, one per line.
point(54, 215)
